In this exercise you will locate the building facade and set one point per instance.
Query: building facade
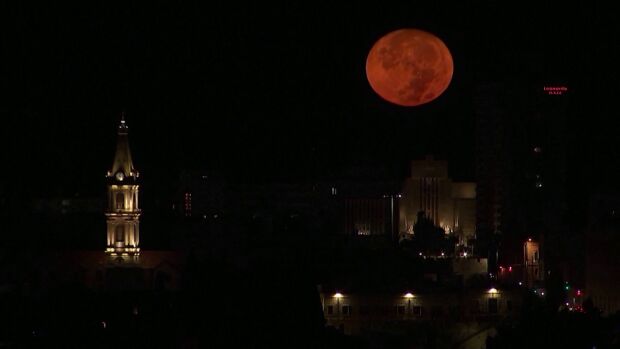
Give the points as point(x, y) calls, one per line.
point(533, 271)
point(123, 212)
point(523, 154)
point(357, 312)
point(450, 205)
point(369, 216)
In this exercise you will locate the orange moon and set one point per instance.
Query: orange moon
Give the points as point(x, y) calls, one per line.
point(409, 67)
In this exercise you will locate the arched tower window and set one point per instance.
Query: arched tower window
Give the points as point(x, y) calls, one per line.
point(120, 201)
point(119, 233)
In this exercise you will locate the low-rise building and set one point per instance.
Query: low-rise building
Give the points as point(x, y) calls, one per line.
point(359, 311)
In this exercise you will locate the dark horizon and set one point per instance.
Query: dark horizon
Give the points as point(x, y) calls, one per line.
point(277, 92)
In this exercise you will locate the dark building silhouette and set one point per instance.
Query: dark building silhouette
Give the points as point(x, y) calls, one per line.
point(602, 261)
point(524, 187)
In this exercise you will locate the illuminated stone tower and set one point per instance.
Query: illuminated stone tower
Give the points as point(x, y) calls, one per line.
point(123, 213)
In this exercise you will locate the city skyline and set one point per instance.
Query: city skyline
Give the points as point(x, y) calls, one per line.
point(261, 192)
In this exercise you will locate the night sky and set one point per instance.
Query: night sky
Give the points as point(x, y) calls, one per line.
point(274, 91)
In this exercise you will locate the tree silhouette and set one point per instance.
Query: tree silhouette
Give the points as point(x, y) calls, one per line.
point(429, 238)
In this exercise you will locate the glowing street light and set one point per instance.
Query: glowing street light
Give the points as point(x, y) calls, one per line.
point(408, 295)
point(338, 295)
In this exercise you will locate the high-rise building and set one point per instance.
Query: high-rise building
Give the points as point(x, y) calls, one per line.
point(522, 159)
point(370, 215)
point(123, 212)
point(490, 162)
point(450, 205)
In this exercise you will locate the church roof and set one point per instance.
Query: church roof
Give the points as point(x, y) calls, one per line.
point(122, 159)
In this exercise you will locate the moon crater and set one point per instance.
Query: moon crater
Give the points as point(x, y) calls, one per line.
point(409, 67)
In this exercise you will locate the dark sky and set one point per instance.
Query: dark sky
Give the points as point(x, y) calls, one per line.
point(272, 90)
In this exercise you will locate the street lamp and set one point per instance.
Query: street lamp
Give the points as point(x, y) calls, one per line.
point(338, 295)
point(408, 295)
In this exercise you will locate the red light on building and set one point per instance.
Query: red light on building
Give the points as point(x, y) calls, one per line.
point(510, 269)
point(555, 90)
point(578, 292)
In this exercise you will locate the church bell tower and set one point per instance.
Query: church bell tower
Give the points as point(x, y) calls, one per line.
point(123, 213)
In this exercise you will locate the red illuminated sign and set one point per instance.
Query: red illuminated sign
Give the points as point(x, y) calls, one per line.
point(555, 90)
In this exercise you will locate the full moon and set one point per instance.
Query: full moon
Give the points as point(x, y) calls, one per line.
point(409, 67)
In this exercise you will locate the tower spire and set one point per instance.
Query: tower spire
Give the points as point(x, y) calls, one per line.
point(123, 212)
point(122, 167)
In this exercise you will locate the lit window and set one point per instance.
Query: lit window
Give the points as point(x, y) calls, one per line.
point(334, 191)
point(537, 149)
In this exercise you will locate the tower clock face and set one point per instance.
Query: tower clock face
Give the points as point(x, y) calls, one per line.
point(120, 176)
